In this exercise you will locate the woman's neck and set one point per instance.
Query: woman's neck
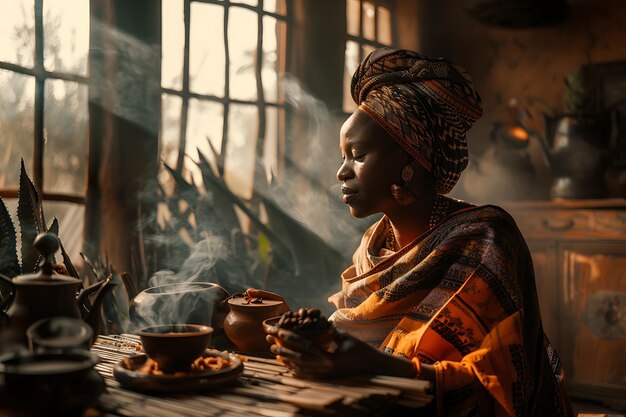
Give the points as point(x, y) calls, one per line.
point(409, 222)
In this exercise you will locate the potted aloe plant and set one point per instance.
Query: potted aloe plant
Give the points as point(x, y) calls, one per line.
point(30, 223)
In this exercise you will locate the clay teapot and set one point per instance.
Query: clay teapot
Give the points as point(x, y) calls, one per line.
point(244, 323)
point(46, 294)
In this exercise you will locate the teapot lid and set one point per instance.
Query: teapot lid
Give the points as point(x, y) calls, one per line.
point(46, 244)
point(259, 303)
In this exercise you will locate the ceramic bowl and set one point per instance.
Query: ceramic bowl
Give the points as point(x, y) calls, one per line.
point(323, 338)
point(175, 346)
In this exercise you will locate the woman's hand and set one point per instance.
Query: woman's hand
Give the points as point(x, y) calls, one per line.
point(254, 293)
point(350, 356)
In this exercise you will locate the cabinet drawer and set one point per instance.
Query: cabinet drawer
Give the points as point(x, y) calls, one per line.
point(571, 224)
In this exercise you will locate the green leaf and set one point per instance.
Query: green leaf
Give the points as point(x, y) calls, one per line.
point(30, 215)
point(68, 262)
point(319, 264)
point(9, 265)
point(182, 185)
point(282, 252)
point(221, 205)
point(54, 228)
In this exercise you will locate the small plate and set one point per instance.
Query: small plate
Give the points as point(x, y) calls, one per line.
point(192, 381)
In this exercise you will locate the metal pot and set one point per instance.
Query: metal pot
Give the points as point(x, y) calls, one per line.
point(180, 303)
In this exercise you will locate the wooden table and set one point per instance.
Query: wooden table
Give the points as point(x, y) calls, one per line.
point(266, 388)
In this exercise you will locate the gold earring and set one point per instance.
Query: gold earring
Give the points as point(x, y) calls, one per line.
point(407, 173)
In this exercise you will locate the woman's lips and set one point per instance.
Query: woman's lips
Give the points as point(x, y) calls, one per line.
point(348, 194)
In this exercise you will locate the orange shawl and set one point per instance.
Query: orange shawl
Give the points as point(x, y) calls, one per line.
point(462, 297)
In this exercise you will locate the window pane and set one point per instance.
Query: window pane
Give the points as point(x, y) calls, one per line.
point(351, 63)
point(207, 60)
point(273, 60)
point(170, 128)
point(250, 2)
point(275, 6)
point(71, 223)
point(204, 123)
point(66, 35)
point(173, 44)
point(274, 142)
point(242, 41)
point(65, 133)
point(16, 125)
point(352, 17)
point(17, 32)
point(366, 50)
point(368, 21)
point(384, 26)
point(243, 122)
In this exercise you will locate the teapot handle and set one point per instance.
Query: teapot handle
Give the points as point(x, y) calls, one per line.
point(7, 302)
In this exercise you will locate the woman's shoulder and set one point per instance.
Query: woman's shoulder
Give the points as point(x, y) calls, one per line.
point(467, 210)
point(489, 218)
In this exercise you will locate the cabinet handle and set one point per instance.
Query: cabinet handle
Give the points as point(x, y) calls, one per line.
point(604, 314)
point(563, 226)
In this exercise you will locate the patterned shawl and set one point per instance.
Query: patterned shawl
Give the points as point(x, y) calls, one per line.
point(462, 297)
point(425, 104)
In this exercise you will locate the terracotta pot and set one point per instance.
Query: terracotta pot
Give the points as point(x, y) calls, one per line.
point(244, 323)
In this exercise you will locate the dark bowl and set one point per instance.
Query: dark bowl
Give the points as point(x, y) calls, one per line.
point(322, 338)
point(175, 346)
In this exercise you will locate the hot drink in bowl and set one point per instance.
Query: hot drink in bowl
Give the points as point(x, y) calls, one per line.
point(174, 347)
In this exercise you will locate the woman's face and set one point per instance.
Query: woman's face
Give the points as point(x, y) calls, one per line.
point(371, 163)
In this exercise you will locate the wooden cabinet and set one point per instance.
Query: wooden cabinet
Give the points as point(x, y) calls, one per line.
point(579, 255)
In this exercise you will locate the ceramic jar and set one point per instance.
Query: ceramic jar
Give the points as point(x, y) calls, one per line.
point(244, 323)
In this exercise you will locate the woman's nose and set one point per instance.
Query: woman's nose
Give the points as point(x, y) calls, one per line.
point(345, 171)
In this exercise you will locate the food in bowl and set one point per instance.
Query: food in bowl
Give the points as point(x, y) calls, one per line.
point(201, 364)
point(174, 347)
point(305, 322)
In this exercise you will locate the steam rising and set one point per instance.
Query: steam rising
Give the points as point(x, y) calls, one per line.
point(204, 255)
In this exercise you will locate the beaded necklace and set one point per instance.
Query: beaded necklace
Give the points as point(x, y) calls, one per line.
point(438, 213)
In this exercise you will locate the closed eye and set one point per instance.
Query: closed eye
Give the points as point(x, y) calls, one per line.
point(359, 158)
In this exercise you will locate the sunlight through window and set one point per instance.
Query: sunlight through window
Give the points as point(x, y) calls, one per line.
point(224, 88)
point(49, 81)
point(368, 26)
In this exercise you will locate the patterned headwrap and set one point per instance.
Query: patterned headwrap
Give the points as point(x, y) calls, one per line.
point(425, 104)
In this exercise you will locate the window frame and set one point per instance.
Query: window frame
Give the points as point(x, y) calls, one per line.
point(361, 40)
point(40, 74)
point(185, 94)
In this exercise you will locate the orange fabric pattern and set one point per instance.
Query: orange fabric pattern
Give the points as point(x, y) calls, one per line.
point(461, 297)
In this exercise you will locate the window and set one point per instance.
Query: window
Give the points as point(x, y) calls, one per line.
point(43, 107)
point(222, 69)
point(369, 26)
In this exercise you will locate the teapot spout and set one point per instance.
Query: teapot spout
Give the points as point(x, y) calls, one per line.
point(93, 316)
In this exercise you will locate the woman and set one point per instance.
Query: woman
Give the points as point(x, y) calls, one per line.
point(439, 289)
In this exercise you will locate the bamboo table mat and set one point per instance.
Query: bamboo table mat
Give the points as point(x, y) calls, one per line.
point(266, 388)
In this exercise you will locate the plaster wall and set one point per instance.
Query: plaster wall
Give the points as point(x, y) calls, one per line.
point(517, 63)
